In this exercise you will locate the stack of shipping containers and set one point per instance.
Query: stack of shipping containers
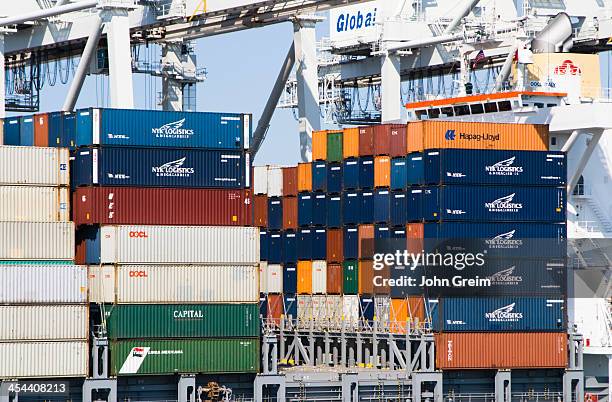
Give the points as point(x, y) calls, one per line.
point(43, 296)
point(162, 208)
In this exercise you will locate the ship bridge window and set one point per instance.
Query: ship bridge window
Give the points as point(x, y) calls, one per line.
point(551, 105)
point(448, 111)
point(539, 105)
point(554, 4)
point(504, 106)
point(477, 108)
point(420, 113)
point(462, 110)
point(490, 107)
point(433, 113)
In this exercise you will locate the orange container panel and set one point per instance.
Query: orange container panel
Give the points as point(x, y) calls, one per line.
point(41, 130)
point(380, 279)
point(275, 309)
point(350, 143)
point(304, 177)
point(406, 312)
point(365, 234)
point(319, 145)
point(334, 279)
point(366, 141)
point(304, 274)
point(290, 213)
point(290, 179)
point(382, 171)
point(260, 211)
point(366, 277)
point(335, 251)
point(501, 350)
point(414, 237)
point(432, 134)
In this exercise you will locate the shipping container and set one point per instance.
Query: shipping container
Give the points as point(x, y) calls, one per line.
point(275, 181)
point(380, 280)
point(274, 278)
point(366, 172)
point(319, 277)
point(350, 174)
point(304, 177)
point(366, 277)
point(167, 284)
point(34, 283)
point(68, 128)
point(406, 312)
point(290, 181)
point(382, 311)
point(274, 309)
point(161, 167)
point(366, 141)
point(304, 275)
point(260, 210)
point(11, 131)
point(37, 204)
point(415, 169)
point(260, 179)
point(319, 209)
point(290, 254)
point(350, 242)
point(1, 131)
point(44, 323)
point(498, 203)
point(350, 280)
point(101, 283)
point(334, 177)
point(289, 279)
point(333, 211)
point(334, 146)
point(382, 139)
point(500, 314)
point(155, 128)
point(275, 247)
point(366, 308)
point(501, 350)
point(382, 205)
point(290, 305)
point(61, 359)
point(334, 279)
point(350, 143)
point(164, 206)
point(366, 241)
point(264, 244)
point(34, 166)
point(319, 243)
point(350, 311)
point(399, 178)
point(319, 145)
point(304, 243)
point(382, 231)
point(130, 244)
point(305, 205)
point(144, 356)
point(319, 176)
point(26, 131)
point(262, 269)
point(36, 240)
point(398, 208)
point(382, 171)
point(424, 135)
point(466, 166)
point(56, 121)
point(335, 249)
point(290, 213)
point(366, 213)
point(414, 204)
point(183, 321)
point(305, 311)
point(397, 133)
point(41, 130)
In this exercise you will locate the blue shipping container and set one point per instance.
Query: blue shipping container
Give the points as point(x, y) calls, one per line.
point(275, 247)
point(367, 206)
point(500, 314)
point(154, 128)
point(351, 205)
point(264, 245)
point(334, 211)
point(263, 305)
point(382, 231)
point(493, 203)
point(334, 177)
point(350, 174)
point(161, 167)
point(275, 213)
point(289, 279)
point(319, 176)
point(414, 203)
point(26, 131)
point(319, 244)
point(319, 208)
point(398, 233)
point(414, 169)
point(68, 130)
point(398, 208)
point(11, 131)
point(304, 244)
point(399, 178)
point(366, 308)
point(289, 247)
point(290, 306)
point(56, 122)
point(382, 204)
point(366, 172)
point(467, 166)
point(350, 243)
point(305, 202)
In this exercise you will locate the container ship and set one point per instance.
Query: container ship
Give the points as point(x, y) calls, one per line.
point(443, 236)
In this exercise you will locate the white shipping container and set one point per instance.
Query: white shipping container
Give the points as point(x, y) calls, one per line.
point(304, 310)
point(275, 181)
point(263, 278)
point(334, 310)
point(36, 241)
point(274, 278)
point(32, 284)
point(179, 245)
point(260, 179)
point(350, 310)
point(35, 204)
point(101, 283)
point(44, 359)
point(319, 309)
point(187, 284)
point(319, 277)
point(382, 310)
point(34, 166)
point(44, 322)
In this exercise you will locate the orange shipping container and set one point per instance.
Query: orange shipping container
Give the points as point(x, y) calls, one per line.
point(275, 309)
point(406, 312)
point(350, 143)
point(366, 277)
point(505, 350)
point(41, 130)
point(260, 211)
point(290, 179)
point(319, 145)
point(380, 279)
point(414, 237)
point(290, 213)
point(304, 177)
point(335, 252)
point(365, 247)
point(304, 274)
point(432, 134)
point(366, 141)
point(382, 171)
point(334, 279)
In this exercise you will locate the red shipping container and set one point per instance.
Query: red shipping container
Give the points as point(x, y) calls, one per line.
point(260, 211)
point(275, 309)
point(290, 213)
point(334, 279)
point(365, 248)
point(382, 139)
point(161, 206)
point(414, 237)
point(397, 134)
point(41, 130)
point(335, 250)
point(290, 181)
point(366, 141)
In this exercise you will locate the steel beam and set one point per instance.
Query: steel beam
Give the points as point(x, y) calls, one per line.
point(48, 12)
point(503, 386)
point(390, 88)
point(172, 89)
point(467, 7)
point(120, 59)
point(506, 69)
point(187, 388)
point(571, 141)
point(584, 159)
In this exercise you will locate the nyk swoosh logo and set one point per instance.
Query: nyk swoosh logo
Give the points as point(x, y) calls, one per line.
point(176, 164)
point(504, 200)
point(505, 163)
point(505, 236)
point(174, 125)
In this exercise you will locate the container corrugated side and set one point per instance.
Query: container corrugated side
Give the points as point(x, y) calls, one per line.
point(183, 321)
point(61, 359)
point(134, 357)
point(34, 204)
point(187, 284)
point(53, 283)
point(176, 244)
point(34, 166)
point(275, 181)
point(470, 351)
point(36, 241)
point(101, 283)
point(260, 179)
point(44, 322)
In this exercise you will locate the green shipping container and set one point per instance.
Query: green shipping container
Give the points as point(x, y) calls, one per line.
point(135, 357)
point(334, 146)
point(183, 321)
point(351, 277)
